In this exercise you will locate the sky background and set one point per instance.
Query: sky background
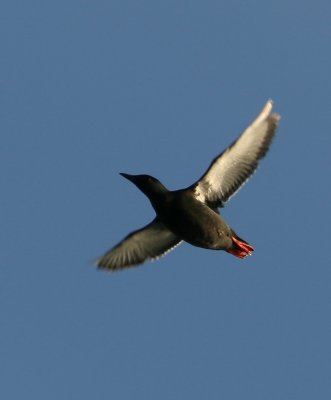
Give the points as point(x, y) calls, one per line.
point(89, 89)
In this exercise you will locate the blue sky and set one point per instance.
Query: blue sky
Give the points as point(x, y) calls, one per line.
point(90, 89)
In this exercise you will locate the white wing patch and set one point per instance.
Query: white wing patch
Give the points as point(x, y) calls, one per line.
point(230, 170)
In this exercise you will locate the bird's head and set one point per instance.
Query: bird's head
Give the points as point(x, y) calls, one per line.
point(149, 185)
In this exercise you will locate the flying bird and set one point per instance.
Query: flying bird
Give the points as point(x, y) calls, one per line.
point(192, 214)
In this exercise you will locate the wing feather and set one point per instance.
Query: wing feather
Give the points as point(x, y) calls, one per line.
point(231, 169)
point(150, 242)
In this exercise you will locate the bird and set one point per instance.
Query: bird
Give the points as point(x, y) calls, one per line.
point(192, 214)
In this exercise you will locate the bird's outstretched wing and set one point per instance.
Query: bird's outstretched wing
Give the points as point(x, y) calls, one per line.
point(150, 242)
point(231, 169)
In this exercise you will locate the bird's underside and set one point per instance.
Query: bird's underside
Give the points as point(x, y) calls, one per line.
point(192, 212)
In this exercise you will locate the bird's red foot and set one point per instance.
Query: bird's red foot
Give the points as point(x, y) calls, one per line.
point(240, 248)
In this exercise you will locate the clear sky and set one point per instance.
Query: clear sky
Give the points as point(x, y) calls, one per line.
point(89, 89)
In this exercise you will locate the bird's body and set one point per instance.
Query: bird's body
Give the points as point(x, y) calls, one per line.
point(191, 214)
point(193, 221)
point(196, 223)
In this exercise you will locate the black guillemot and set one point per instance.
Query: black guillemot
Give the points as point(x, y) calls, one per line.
point(191, 214)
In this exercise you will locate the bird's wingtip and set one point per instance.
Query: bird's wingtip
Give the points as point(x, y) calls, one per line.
point(265, 112)
point(268, 107)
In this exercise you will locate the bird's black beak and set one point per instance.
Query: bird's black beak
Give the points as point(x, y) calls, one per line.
point(129, 177)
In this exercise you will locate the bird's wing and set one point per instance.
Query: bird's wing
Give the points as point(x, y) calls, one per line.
point(150, 242)
point(231, 169)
